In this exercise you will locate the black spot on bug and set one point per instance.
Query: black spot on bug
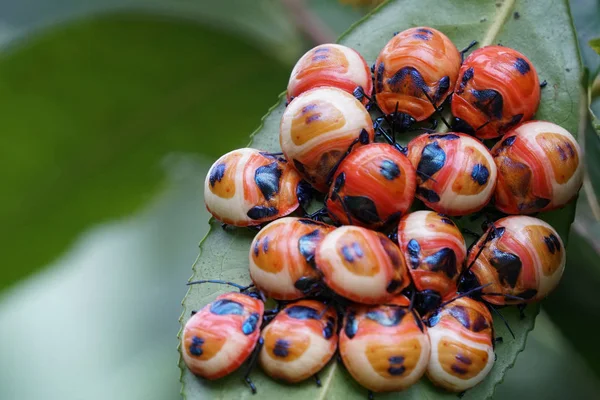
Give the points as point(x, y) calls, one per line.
point(392, 318)
point(508, 266)
point(432, 160)
point(347, 254)
point(302, 312)
point(396, 82)
point(304, 193)
point(489, 101)
point(414, 253)
point(389, 170)
point(281, 348)
point(497, 233)
point(443, 136)
point(256, 248)
point(421, 36)
point(561, 153)
point(250, 323)
point(362, 209)
point(267, 179)
point(522, 66)
point(536, 204)
point(393, 285)
point(338, 184)
point(308, 108)
point(480, 324)
point(428, 195)
point(226, 307)
point(196, 346)
point(514, 121)
point(307, 221)
point(424, 30)
point(305, 284)
point(443, 86)
point(444, 261)
point(322, 50)
point(329, 328)
point(458, 369)
point(480, 174)
point(363, 136)
point(351, 324)
point(434, 318)
point(216, 174)
point(396, 368)
point(260, 212)
point(307, 244)
point(508, 141)
point(552, 243)
point(446, 220)
point(299, 166)
point(265, 245)
point(570, 148)
point(464, 359)
point(391, 250)
point(461, 315)
point(460, 125)
point(379, 77)
point(528, 294)
point(467, 76)
point(358, 251)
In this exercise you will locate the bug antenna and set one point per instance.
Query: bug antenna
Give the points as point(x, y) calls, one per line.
point(240, 287)
point(411, 309)
point(423, 174)
point(467, 293)
point(488, 237)
point(463, 51)
point(499, 314)
point(437, 110)
point(508, 296)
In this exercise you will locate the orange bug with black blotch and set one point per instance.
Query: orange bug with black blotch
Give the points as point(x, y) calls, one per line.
point(435, 252)
point(282, 257)
point(497, 88)
point(462, 344)
point(414, 73)
point(456, 174)
point(361, 265)
point(318, 128)
point(384, 347)
point(299, 341)
point(248, 187)
point(520, 258)
point(332, 65)
point(372, 187)
point(539, 168)
point(218, 339)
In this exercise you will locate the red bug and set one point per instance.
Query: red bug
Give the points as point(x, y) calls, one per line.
point(462, 344)
point(217, 339)
point(317, 130)
point(282, 257)
point(456, 174)
point(384, 347)
point(330, 65)
point(299, 341)
point(521, 258)
point(373, 186)
point(249, 187)
point(435, 252)
point(539, 168)
point(497, 88)
point(362, 265)
point(415, 70)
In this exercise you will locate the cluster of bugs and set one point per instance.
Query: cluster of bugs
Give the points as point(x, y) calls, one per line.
point(388, 284)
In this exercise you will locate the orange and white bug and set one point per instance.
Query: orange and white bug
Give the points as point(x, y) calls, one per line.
point(462, 349)
point(521, 259)
point(416, 69)
point(373, 186)
point(362, 265)
point(317, 130)
point(435, 252)
point(299, 341)
point(539, 168)
point(384, 347)
point(497, 89)
point(456, 174)
point(282, 257)
point(330, 65)
point(248, 187)
point(222, 335)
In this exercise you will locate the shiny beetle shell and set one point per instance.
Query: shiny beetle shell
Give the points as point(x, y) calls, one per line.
point(362, 265)
point(434, 250)
point(373, 186)
point(416, 64)
point(456, 174)
point(220, 337)
point(539, 168)
point(282, 257)
point(330, 65)
point(524, 257)
point(462, 351)
point(497, 89)
point(299, 341)
point(317, 129)
point(383, 347)
point(248, 187)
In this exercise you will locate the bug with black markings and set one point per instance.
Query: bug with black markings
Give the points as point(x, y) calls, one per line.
point(248, 187)
point(497, 88)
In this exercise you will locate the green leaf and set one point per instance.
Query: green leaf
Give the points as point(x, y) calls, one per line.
point(595, 44)
point(224, 255)
point(91, 109)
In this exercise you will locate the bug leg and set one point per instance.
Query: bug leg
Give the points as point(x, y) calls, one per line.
point(503, 319)
point(194, 312)
point(463, 51)
point(543, 84)
point(370, 395)
point(461, 394)
point(521, 308)
point(252, 364)
point(317, 380)
point(437, 109)
point(470, 232)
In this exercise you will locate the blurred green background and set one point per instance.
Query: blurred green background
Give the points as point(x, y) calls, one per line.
point(111, 113)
